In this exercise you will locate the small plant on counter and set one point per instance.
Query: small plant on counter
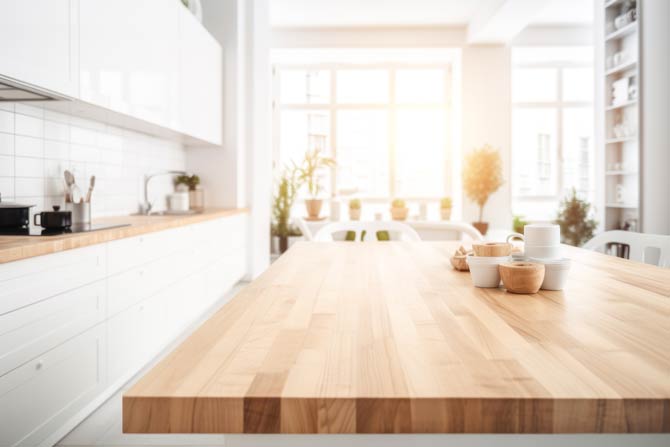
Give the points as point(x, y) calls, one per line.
point(355, 209)
point(282, 202)
point(482, 176)
point(445, 208)
point(518, 223)
point(399, 209)
point(190, 181)
point(574, 218)
point(308, 174)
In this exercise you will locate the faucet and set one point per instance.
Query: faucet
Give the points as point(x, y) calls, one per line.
point(146, 207)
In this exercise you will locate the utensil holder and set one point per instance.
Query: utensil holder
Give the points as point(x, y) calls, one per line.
point(81, 212)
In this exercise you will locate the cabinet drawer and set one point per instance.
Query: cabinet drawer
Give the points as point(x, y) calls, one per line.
point(31, 280)
point(33, 330)
point(37, 398)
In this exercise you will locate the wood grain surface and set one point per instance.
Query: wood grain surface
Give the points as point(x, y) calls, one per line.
point(14, 248)
point(387, 338)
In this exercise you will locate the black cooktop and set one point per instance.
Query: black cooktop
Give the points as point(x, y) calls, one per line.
point(39, 231)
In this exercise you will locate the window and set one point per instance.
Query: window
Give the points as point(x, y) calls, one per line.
point(388, 125)
point(552, 128)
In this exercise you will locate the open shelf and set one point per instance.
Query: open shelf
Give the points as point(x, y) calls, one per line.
point(611, 3)
point(623, 32)
point(620, 140)
point(622, 67)
point(621, 205)
point(612, 173)
point(622, 105)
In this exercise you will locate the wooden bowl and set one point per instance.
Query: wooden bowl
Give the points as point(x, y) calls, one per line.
point(522, 277)
point(459, 263)
point(492, 249)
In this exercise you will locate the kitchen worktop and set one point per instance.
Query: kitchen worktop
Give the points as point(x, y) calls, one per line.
point(14, 248)
point(387, 338)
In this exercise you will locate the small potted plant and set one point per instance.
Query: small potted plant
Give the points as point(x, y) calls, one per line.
point(518, 223)
point(399, 209)
point(196, 195)
point(282, 202)
point(574, 218)
point(445, 208)
point(308, 173)
point(355, 209)
point(482, 176)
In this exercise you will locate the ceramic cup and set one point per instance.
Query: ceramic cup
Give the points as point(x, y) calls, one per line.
point(540, 240)
point(484, 270)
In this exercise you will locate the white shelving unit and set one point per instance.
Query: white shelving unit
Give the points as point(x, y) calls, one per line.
point(622, 108)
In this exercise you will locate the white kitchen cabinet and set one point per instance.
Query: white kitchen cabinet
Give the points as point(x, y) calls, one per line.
point(39, 43)
point(200, 80)
point(129, 58)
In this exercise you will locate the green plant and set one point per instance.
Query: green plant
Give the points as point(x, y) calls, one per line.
point(482, 175)
point(185, 3)
point(518, 223)
point(192, 181)
point(574, 218)
point(282, 202)
point(445, 203)
point(355, 204)
point(308, 171)
point(398, 203)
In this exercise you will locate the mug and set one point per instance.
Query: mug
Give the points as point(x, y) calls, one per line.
point(540, 240)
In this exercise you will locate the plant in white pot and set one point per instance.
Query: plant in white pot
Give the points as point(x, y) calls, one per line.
point(399, 210)
point(308, 174)
point(196, 194)
point(355, 209)
point(282, 202)
point(445, 208)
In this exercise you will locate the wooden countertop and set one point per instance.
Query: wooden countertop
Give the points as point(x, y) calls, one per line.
point(388, 338)
point(14, 248)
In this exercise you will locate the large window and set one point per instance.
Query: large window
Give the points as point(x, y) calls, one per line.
point(388, 125)
point(552, 128)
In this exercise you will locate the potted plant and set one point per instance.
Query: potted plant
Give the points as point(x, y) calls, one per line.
point(518, 223)
point(355, 209)
point(399, 209)
point(574, 218)
point(282, 202)
point(482, 176)
point(308, 173)
point(196, 195)
point(445, 208)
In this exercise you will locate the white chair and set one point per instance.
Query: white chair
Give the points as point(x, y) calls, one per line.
point(446, 231)
point(304, 229)
point(396, 230)
point(638, 244)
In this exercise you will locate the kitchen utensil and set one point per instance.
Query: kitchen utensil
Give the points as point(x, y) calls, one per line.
point(178, 201)
point(492, 249)
point(14, 214)
point(75, 193)
point(69, 181)
point(555, 272)
point(522, 277)
point(81, 212)
point(90, 189)
point(484, 270)
point(53, 220)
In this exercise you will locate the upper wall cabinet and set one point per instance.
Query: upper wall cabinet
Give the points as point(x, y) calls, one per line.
point(37, 43)
point(129, 58)
point(200, 76)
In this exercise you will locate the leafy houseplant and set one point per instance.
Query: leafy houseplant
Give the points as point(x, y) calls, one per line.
point(518, 223)
point(282, 202)
point(355, 209)
point(482, 176)
point(445, 208)
point(574, 218)
point(190, 181)
point(196, 195)
point(399, 209)
point(308, 174)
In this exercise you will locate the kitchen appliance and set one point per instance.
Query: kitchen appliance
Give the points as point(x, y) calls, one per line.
point(53, 220)
point(32, 230)
point(14, 215)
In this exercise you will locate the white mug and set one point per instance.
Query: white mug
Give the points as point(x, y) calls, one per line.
point(540, 240)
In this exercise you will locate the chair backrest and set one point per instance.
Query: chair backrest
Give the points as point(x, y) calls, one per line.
point(446, 231)
point(304, 229)
point(367, 231)
point(638, 244)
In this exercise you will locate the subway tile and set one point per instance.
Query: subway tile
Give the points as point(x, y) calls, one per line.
point(6, 121)
point(84, 153)
point(55, 168)
point(25, 109)
point(7, 188)
point(109, 141)
point(7, 106)
point(28, 146)
point(28, 187)
point(54, 187)
point(85, 137)
point(29, 167)
point(56, 131)
point(56, 150)
point(28, 126)
point(58, 117)
point(111, 156)
point(6, 166)
point(6, 144)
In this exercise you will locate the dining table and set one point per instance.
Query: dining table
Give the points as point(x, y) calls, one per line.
point(384, 343)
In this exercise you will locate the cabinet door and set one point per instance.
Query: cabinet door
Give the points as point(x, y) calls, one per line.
point(201, 82)
point(129, 58)
point(39, 43)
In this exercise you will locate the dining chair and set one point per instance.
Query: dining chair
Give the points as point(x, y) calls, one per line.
point(446, 231)
point(367, 231)
point(304, 229)
point(639, 245)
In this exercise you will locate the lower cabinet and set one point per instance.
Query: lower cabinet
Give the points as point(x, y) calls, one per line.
point(59, 354)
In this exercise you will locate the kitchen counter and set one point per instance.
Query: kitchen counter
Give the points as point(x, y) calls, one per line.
point(387, 338)
point(14, 248)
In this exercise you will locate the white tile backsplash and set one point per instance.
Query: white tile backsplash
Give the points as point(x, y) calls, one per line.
point(37, 145)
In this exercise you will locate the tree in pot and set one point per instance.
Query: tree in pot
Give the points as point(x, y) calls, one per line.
point(355, 209)
point(308, 174)
point(282, 202)
point(445, 208)
point(399, 209)
point(482, 176)
point(574, 218)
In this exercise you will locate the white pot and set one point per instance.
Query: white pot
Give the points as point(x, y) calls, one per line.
point(484, 270)
point(555, 273)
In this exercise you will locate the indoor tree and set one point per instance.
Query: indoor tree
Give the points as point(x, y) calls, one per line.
point(482, 176)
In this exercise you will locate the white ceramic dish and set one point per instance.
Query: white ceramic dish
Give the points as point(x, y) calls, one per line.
point(555, 272)
point(484, 270)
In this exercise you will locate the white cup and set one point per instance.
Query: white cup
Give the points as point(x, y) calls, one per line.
point(540, 240)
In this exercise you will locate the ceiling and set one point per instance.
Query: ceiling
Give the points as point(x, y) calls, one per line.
point(342, 13)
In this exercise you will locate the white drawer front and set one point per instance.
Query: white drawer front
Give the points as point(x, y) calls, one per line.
point(33, 330)
point(31, 280)
point(37, 398)
point(124, 254)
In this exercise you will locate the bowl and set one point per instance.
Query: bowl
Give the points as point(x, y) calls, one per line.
point(555, 273)
point(522, 277)
point(492, 249)
point(484, 270)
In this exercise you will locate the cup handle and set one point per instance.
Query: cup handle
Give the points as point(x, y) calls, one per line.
point(35, 220)
point(515, 236)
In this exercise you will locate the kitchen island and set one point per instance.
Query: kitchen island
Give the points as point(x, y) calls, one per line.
point(386, 338)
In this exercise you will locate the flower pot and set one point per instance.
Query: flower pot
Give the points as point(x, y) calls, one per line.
point(354, 213)
point(313, 207)
point(445, 213)
point(482, 227)
point(399, 213)
point(196, 199)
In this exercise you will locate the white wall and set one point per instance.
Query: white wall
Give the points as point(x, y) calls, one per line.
point(37, 145)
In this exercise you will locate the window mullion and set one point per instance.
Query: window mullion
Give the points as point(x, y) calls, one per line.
point(392, 134)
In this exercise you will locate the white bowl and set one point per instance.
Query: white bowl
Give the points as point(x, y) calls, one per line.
point(484, 270)
point(555, 272)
